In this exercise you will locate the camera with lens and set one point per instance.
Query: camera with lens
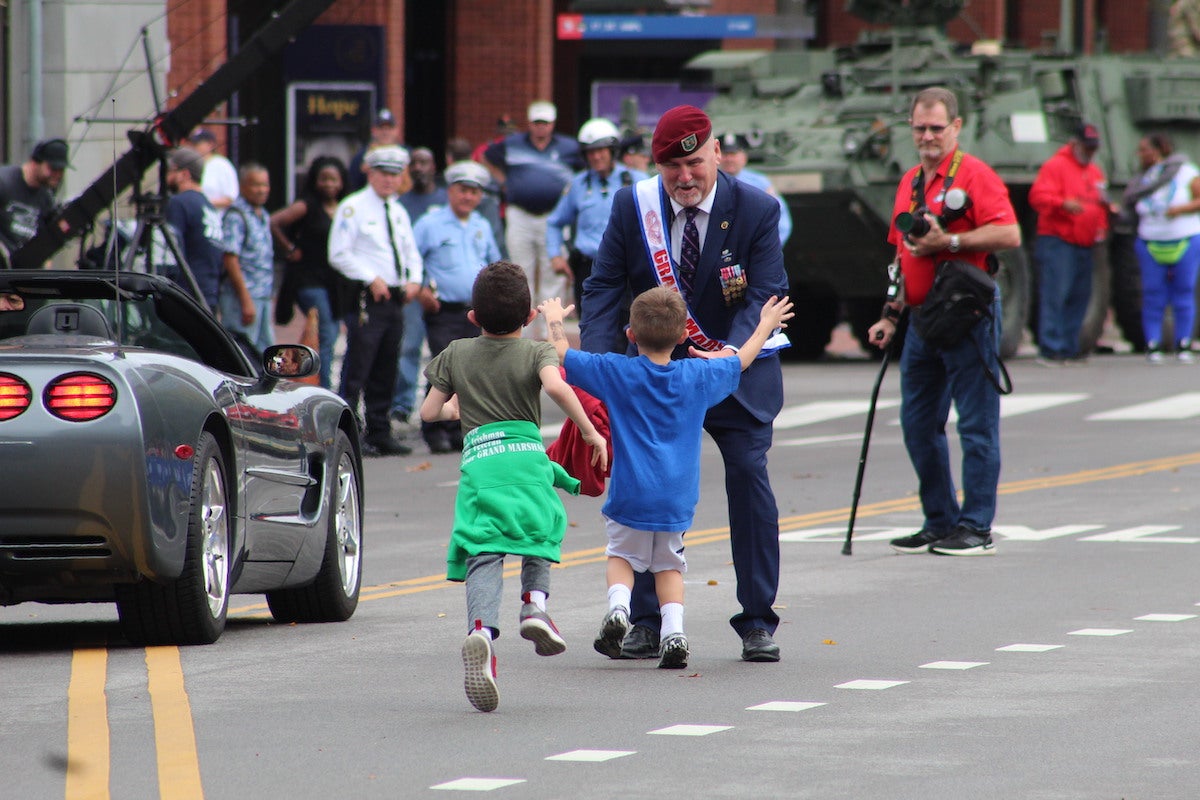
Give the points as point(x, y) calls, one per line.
point(915, 225)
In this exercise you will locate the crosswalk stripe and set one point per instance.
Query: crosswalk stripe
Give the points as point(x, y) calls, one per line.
point(1180, 406)
point(1176, 407)
point(823, 411)
point(1142, 533)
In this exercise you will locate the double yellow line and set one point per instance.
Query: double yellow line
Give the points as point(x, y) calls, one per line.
point(87, 726)
point(174, 734)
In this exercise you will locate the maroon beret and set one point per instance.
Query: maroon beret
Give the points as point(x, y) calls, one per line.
point(680, 132)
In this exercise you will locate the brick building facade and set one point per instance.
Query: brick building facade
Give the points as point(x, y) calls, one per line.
point(494, 57)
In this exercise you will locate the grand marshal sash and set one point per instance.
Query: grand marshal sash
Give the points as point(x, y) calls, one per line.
point(652, 218)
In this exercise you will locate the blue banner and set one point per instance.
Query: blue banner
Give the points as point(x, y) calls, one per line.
point(656, 26)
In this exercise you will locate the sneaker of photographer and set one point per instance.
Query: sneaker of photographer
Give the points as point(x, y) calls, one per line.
point(673, 653)
point(917, 543)
point(612, 632)
point(1183, 353)
point(965, 542)
point(537, 627)
point(479, 670)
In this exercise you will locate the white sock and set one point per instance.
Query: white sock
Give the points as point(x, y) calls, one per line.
point(618, 596)
point(538, 598)
point(479, 627)
point(672, 619)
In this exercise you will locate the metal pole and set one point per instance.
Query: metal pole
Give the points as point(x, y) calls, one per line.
point(36, 36)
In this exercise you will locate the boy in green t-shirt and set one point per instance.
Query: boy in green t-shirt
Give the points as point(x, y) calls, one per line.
point(506, 503)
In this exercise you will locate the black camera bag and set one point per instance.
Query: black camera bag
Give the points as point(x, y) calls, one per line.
point(960, 297)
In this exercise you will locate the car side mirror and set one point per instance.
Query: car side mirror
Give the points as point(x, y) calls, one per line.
point(290, 361)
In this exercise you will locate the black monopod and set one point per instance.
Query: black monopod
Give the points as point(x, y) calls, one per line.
point(862, 457)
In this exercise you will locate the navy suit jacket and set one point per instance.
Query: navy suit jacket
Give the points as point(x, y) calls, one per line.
point(742, 229)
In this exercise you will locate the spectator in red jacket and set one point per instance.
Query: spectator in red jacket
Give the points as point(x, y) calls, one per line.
point(1069, 195)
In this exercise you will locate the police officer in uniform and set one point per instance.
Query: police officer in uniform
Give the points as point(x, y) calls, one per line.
point(372, 242)
point(456, 243)
point(586, 203)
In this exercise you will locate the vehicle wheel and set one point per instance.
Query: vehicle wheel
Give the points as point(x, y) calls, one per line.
point(810, 330)
point(333, 595)
point(1013, 280)
point(1096, 315)
point(192, 608)
point(1126, 282)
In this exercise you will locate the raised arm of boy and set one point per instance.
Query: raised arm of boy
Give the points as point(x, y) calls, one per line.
point(559, 390)
point(775, 314)
point(554, 313)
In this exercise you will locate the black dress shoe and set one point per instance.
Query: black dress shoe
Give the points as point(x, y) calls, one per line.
point(384, 446)
point(640, 642)
point(757, 645)
point(438, 441)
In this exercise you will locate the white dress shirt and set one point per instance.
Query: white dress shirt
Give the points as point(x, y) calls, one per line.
point(359, 246)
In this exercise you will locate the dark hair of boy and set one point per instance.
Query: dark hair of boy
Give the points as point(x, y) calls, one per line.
point(500, 298)
point(657, 318)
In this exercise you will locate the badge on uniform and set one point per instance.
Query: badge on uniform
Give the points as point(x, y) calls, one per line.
point(733, 284)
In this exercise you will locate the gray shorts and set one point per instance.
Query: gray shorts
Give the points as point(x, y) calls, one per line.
point(646, 551)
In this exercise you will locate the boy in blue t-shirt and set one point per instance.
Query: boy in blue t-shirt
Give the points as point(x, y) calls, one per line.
point(656, 410)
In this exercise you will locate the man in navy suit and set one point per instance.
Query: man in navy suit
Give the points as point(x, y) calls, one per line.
point(739, 266)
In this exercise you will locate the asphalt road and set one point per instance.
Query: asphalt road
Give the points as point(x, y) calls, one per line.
point(1064, 667)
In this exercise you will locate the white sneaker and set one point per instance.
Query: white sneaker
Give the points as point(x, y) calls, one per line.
point(1154, 357)
point(1185, 357)
point(479, 668)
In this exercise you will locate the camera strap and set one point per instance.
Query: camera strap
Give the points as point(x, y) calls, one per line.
point(918, 182)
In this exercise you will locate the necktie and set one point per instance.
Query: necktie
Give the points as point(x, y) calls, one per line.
point(689, 253)
point(387, 216)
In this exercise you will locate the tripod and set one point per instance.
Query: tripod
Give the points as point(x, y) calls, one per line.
point(149, 220)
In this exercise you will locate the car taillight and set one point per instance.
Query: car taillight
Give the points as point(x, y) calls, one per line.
point(80, 397)
point(14, 396)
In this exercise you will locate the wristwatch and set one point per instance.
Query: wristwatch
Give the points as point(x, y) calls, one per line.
point(954, 243)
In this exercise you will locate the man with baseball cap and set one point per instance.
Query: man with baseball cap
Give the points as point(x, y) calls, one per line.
point(219, 182)
point(1070, 196)
point(533, 168)
point(372, 242)
point(27, 195)
point(385, 132)
point(455, 243)
point(715, 240)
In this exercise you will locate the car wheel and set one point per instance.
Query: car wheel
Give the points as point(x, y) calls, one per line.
point(333, 595)
point(192, 608)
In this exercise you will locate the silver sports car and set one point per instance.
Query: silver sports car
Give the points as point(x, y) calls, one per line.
point(148, 459)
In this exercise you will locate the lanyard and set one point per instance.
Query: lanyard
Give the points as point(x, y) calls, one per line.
point(918, 182)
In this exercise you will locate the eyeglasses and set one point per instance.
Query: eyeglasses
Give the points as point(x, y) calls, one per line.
point(936, 130)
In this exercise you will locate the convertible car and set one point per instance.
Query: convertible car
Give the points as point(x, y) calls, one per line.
point(149, 459)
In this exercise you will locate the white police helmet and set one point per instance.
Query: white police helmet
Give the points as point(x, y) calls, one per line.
point(599, 132)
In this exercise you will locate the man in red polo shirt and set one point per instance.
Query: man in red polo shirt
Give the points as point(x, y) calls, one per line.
point(968, 228)
point(1069, 195)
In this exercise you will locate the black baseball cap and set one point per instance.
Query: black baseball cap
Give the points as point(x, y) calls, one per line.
point(53, 152)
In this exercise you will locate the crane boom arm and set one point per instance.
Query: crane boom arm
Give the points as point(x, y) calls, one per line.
point(167, 131)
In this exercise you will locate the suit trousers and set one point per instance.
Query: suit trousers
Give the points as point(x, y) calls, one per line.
point(369, 366)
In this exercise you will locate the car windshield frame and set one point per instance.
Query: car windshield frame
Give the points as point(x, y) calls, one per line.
point(154, 314)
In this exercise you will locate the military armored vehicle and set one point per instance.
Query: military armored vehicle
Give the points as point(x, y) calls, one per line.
point(830, 129)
